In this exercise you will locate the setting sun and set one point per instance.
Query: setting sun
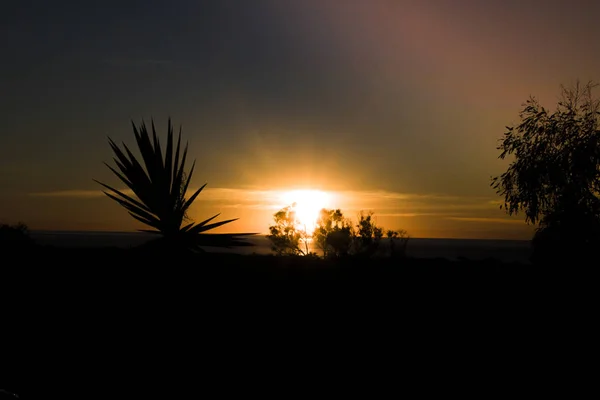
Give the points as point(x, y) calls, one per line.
point(308, 205)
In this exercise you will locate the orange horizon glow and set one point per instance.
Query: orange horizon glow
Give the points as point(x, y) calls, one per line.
point(422, 215)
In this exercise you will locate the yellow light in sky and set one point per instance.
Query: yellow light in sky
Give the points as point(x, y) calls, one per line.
point(308, 205)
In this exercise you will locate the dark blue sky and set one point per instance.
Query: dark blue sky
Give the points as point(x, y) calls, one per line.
point(363, 95)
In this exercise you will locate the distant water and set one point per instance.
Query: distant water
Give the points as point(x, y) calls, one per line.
point(474, 249)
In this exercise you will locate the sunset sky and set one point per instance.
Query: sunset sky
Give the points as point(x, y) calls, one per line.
point(390, 105)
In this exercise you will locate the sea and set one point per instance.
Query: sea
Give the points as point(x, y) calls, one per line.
point(454, 249)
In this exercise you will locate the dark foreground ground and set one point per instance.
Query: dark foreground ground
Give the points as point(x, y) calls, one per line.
point(105, 266)
point(114, 323)
point(110, 273)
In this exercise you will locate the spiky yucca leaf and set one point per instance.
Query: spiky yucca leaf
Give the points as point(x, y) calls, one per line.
point(160, 188)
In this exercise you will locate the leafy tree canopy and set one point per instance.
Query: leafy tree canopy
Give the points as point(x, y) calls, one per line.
point(554, 177)
point(285, 237)
point(556, 159)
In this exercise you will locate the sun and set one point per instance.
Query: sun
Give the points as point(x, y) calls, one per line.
point(309, 204)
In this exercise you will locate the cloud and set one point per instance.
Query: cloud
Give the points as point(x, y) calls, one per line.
point(411, 215)
point(251, 206)
point(227, 197)
point(210, 194)
point(487, 220)
point(69, 193)
point(394, 204)
point(385, 204)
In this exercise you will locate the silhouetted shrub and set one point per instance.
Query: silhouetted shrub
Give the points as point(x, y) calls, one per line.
point(568, 237)
point(14, 238)
point(398, 241)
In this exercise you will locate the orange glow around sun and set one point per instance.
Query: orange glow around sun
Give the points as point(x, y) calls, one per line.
point(308, 205)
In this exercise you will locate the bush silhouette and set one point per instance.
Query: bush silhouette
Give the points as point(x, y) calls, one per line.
point(398, 242)
point(15, 238)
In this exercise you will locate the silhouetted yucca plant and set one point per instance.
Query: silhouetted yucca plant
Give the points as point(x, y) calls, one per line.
point(160, 189)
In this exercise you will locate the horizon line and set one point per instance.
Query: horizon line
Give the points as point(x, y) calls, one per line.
point(66, 231)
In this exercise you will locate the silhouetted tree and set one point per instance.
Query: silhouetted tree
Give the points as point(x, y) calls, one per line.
point(285, 236)
point(555, 176)
point(333, 234)
point(337, 237)
point(368, 235)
